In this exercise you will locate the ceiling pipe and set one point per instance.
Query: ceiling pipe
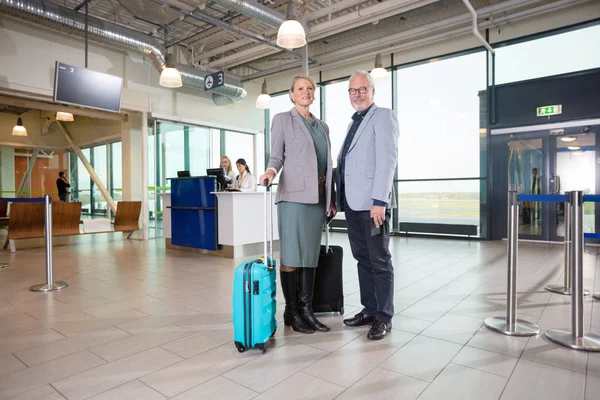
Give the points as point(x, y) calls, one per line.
point(221, 24)
point(68, 21)
point(475, 30)
point(369, 49)
point(254, 10)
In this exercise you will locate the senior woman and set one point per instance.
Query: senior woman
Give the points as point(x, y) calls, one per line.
point(300, 145)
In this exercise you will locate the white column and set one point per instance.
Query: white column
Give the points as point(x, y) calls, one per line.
point(145, 200)
point(134, 142)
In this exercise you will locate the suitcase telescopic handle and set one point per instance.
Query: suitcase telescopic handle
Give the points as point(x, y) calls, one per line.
point(268, 224)
point(327, 221)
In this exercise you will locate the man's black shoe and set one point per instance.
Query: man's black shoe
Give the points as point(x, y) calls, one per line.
point(359, 319)
point(379, 330)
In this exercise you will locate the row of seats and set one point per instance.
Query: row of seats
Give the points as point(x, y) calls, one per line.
point(27, 220)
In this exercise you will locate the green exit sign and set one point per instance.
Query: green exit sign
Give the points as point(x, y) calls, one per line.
point(549, 110)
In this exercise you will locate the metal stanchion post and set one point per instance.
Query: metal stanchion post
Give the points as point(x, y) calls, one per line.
point(50, 284)
point(575, 338)
point(511, 325)
point(566, 287)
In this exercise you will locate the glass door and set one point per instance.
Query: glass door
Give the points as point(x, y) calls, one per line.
point(525, 171)
point(576, 170)
point(553, 161)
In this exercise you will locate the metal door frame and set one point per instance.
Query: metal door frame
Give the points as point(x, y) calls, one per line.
point(499, 139)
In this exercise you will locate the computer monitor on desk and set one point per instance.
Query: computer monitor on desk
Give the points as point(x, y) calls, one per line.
point(183, 174)
point(220, 175)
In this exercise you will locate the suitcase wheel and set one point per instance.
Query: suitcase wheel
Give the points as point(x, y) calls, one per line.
point(240, 347)
point(273, 334)
point(342, 311)
point(263, 347)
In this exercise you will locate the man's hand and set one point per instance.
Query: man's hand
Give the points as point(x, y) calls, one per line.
point(332, 210)
point(269, 175)
point(378, 215)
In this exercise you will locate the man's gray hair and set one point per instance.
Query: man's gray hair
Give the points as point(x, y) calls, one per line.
point(366, 75)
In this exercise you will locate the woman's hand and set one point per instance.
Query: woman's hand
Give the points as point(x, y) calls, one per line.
point(269, 175)
point(332, 210)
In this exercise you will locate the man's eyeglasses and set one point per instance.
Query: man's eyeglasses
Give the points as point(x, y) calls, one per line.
point(360, 90)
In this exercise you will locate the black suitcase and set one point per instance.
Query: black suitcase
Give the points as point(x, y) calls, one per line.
point(329, 284)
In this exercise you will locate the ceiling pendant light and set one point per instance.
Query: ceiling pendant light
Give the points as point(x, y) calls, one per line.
point(19, 129)
point(64, 116)
point(568, 139)
point(170, 76)
point(264, 100)
point(379, 72)
point(291, 33)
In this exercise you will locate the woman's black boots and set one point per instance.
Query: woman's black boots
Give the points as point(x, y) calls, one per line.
point(291, 315)
point(306, 285)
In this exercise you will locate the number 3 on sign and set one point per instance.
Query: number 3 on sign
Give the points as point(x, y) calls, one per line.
point(220, 76)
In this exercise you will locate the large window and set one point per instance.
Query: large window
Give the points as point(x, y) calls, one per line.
point(200, 152)
point(338, 114)
point(439, 144)
point(116, 172)
point(241, 145)
point(339, 110)
point(552, 55)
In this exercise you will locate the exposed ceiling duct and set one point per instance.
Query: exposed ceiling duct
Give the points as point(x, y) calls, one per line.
point(254, 10)
point(73, 23)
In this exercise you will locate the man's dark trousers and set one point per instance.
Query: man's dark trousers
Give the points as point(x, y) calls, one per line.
point(375, 269)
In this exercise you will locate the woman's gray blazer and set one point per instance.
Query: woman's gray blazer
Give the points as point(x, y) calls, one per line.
point(293, 154)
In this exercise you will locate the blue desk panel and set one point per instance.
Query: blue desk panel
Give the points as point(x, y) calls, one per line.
point(194, 212)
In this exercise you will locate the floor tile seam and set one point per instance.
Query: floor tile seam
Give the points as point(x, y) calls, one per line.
point(91, 349)
point(230, 380)
point(456, 279)
point(22, 362)
point(449, 341)
point(57, 391)
point(473, 346)
point(196, 354)
point(479, 370)
point(553, 365)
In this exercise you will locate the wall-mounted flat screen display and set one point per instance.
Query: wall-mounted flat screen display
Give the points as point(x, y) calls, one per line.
point(84, 87)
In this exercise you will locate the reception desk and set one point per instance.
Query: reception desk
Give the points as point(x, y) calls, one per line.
point(240, 224)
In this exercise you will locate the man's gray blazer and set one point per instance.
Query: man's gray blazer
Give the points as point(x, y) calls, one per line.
point(371, 161)
point(293, 149)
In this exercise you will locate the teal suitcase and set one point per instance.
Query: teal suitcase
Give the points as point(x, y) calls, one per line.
point(254, 289)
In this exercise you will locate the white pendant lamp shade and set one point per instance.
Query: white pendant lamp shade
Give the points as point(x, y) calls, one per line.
point(264, 100)
point(379, 72)
point(170, 77)
point(291, 33)
point(64, 116)
point(19, 129)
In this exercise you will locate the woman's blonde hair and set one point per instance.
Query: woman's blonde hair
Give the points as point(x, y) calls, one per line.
point(298, 77)
point(229, 161)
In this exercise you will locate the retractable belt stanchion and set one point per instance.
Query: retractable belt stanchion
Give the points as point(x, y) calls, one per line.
point(511, 325)
point(566, 287)
point(49, 285)
point(575, 338)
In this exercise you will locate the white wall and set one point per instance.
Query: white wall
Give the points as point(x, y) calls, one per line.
point(28, 59)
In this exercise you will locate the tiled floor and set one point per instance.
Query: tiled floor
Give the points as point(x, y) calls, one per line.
point(138, 322)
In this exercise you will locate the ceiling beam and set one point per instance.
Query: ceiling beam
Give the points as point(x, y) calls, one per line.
point(82, 4)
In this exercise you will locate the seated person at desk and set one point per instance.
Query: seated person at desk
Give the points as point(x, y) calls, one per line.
point(245, 181)
point(227, 170)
